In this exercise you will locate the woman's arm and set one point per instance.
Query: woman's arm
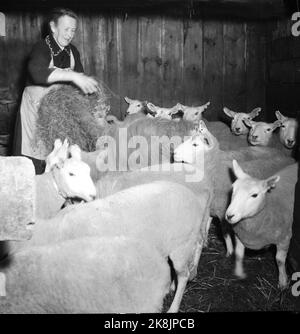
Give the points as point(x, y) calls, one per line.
point(38, 64)
point(41, 74)
point(87, 84)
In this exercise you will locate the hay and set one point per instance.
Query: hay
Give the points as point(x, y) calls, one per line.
point(65, 112)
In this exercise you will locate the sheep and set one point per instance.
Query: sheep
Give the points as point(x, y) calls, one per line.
point(157, 138)
point(209, 171)
point(101, 274)
point(162, 111)
point(262, 215)
point(193, 114)
point(138, 107)
point(135, 106)
point(219, 129)
point(262, 160)
point(288, 130)
point(167, 215)
point(238, 126)
point(260, 133)
point(67, 177)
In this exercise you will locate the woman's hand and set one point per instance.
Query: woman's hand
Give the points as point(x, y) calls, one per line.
point(87, 84)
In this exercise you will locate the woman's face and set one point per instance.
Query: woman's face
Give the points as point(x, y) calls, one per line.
point(64, 30)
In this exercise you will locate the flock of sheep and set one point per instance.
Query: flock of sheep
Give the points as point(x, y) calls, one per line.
point(114, 251)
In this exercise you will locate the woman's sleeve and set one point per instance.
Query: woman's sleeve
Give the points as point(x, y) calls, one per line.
point(38, 64)
point(78, 65)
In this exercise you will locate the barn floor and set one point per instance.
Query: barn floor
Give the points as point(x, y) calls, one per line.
point(216, 289)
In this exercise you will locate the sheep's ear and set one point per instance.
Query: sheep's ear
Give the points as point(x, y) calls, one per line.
point(248, 122)
point(238, 172)
point(75, 152)
point(229, 112)
point(57, 144)
point(151, 107)
point(63, 151)
point(179, 106)
point(204, 106)
point(276, 125)
point(255, 112)
point(279, 116)
point(58, 165)
point(202, 126)
point(270, 183)
point(128, 100)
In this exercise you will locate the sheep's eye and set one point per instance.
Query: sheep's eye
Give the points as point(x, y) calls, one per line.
point(196, 113)
point(254, 195)
point(268, 130)
point(71, 174)
point(195, 144)
point(283, 126)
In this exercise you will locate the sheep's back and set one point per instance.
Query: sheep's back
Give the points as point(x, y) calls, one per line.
point(87, 275)
point(158, 212)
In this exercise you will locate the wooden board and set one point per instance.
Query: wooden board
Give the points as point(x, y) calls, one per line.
point(172, 58)
point(150, 61)
point(234, 66)
point(213, 56)
point(193, 62)
point(255, 59)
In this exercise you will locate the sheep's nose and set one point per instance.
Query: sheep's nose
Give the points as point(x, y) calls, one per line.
point(229, 217)
point(290, 142)
point(93, 197)
point(237, 129)
point(254, 137)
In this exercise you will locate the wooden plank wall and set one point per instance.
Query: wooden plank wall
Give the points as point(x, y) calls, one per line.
point(161, 59)
point(283, 70)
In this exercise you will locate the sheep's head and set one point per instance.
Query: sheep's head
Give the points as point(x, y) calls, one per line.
point(288, 130)
point(135, 106)
point(163, 112)
point(194, 148)
point(71, 175)
point(193, 114)
point(238, 126)
point(248, 195)
point(260, 132)
point(74, 181)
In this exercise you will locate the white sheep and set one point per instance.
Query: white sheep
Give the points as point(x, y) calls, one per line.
point(209, 170)
point(260, 133)
point(262, 215)
point(191, 113)
point(67, 177)
point(135, 106)
point(288, 130)
point(160, 136)
point(166, 215)
point(87, 275)
point(163, 112)
point(262, 160)
point(238, 126)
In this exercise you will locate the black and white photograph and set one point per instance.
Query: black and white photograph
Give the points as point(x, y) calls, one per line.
point(149, 154)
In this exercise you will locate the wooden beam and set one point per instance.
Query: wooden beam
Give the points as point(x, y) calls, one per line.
point(245, 9)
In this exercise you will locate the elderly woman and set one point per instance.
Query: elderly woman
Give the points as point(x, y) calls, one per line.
point(52, 60)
